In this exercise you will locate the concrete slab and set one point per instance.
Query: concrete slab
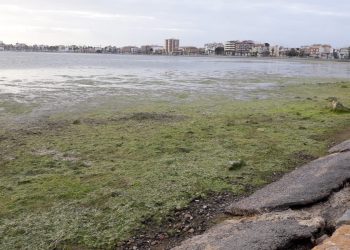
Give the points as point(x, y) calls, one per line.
point(305, 186)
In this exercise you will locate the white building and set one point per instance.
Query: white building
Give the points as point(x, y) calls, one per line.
point(321, 51)
point(230, 47)
point(157, 49)
point(344, 53)
point(210, 48)
point(172, 45)
point(275, 51)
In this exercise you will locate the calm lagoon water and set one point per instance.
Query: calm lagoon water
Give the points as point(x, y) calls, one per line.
point(51, 80)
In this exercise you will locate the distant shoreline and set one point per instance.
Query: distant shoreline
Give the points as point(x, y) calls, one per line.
point(195, 56)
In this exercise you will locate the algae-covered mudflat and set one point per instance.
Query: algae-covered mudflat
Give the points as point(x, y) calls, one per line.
point(87, 157)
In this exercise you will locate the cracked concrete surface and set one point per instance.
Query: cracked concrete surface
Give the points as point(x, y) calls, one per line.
point(288, 214)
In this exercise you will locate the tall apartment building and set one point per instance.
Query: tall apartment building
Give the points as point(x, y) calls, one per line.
point(172, 45)
point(244, 48)
point(230, 47)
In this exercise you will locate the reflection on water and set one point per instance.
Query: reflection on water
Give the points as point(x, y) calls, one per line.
point(58, 79)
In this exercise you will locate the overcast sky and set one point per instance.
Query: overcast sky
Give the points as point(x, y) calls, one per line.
point(194, 22)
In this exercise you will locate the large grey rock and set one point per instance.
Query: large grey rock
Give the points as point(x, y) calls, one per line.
point(274, 230)
point(307, 185)
point(342, 147)
point(253, 235)
point(345, 219)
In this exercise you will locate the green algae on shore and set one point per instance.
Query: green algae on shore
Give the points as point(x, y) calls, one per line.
point(92, 183)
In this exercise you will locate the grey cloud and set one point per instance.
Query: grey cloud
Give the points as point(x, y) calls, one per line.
point(195, 22)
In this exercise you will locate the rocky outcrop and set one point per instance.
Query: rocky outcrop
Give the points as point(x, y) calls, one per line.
point(307, 185)
point(342, 147)
point(295, 212)
point(252, 235)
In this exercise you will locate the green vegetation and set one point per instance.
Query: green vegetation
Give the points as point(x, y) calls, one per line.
point(15, 108)
point(91, 179)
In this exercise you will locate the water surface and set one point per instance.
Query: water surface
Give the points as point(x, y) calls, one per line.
point(51, 80)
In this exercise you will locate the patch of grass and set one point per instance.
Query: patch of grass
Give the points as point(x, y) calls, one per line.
point(15, 108)
point(152, 157)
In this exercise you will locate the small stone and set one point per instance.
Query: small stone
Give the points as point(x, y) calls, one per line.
point(153, 243)
point(261, 129)
point(161, 237)
point(233, 165)
point(321, 239)
point(186, 228)
point(188, 217)
point(205, 207)
point(191, 231)
point(177, 225)
point(134, 247)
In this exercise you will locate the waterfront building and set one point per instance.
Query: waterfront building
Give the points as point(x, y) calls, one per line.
point(130, 50)
point(305, 51)
point(146, 49)
point(244, 48)
point(157, 49)
point(189, 50)
point(230, 47)
point(261, 49)
point(289, 52)
point(344, 53)
point(324, 51)
point(214, 48)
point(201, 51)
point(2, 46)
point(172, 46)
point(275, 51)
point(110, 49)
point(152, 49)
point(283, 51)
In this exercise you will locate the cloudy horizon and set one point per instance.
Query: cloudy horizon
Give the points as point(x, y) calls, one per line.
point(136, 22)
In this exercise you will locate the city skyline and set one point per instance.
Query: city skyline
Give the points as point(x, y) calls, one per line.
point(135, 22)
